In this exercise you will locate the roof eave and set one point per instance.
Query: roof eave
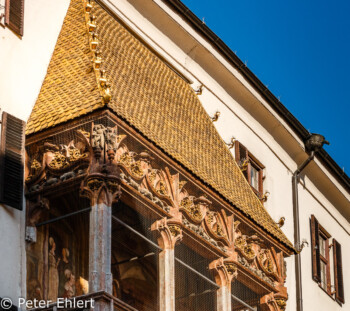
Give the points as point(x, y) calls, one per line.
point(283, 112)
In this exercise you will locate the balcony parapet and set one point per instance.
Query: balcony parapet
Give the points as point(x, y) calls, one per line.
point(72, 303)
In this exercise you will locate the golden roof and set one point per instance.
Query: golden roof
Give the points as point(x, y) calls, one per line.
point(146, 93)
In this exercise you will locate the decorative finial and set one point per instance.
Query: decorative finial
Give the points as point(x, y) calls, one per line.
point(302, 245)
point(216, 116)
point(92, 23)
point(97, 60)
point(94, 41)
point(100, 74)
point(231, 144)
point(88, 6)
point(107, 93)
point(265, 196)
point(280, 223)
point(103, 79)
point(199, 90)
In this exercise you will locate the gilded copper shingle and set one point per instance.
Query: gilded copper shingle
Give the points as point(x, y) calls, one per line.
point(150, 96)
point(69, 89)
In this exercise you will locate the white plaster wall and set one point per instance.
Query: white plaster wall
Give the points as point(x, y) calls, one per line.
point(314, 297)
point(24, 63)
point(248, 117)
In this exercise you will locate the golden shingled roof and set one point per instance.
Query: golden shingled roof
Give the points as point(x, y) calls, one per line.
point(146, 93)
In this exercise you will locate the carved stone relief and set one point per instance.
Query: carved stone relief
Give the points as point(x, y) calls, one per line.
point(109, 162)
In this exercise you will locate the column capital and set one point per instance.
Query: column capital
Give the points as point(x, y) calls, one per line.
point(170, 231)
point(224, 270)
point(271, 302)
point(101, 189)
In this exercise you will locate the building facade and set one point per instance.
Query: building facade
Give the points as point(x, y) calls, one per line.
point(132, 196)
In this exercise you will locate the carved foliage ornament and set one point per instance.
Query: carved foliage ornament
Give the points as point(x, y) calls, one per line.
point(253, 254)
point(193, 210)
point(282, 303)
point(215, 224)
point(224, 271)
point(162, 188)
point(168, 191)
point(169, 232)
point(266, 262)
point(244, 247)
point(231, 268)
point(175, 230)
point(52, 164)
point(101, 190)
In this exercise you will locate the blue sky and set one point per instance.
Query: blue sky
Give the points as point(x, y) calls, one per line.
point(301, 50)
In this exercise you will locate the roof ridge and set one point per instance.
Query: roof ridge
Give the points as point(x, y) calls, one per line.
point(103, 83)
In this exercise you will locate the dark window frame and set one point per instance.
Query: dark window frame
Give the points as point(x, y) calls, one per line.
point(260, 169)
point(326, 260)
point(242, 154)
point(318, 232)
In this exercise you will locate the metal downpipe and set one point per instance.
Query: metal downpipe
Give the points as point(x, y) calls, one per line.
point(295, 179)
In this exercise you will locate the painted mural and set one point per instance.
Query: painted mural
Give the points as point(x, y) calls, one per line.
point(52, 265)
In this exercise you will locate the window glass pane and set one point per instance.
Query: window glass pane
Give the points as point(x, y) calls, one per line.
point(322, 246)
point(323, 276)
point(193, 293)
point(254, 178)
point(134, 260)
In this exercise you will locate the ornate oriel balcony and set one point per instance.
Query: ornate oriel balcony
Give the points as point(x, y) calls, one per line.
point(141, 233)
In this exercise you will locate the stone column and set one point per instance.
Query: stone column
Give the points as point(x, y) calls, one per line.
point(225, 272)
point(170, 232)
point(102, 192)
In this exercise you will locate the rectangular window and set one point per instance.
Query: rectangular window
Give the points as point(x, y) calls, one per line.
point(322, 246)
point(321, 265)
point(252, 169)
point(254, 176)
point(323, 276)
point(324, 260)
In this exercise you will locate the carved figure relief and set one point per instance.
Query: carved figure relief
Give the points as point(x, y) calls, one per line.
point(53, 271)
point(98, 137)
point(52, 265)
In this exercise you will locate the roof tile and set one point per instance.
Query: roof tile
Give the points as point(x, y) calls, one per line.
point(150, 96)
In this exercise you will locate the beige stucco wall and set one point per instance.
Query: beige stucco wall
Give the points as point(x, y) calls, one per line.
point(23, 66)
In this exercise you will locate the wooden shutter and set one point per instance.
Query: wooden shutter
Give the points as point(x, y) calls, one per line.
point(11, 161)
point(338, 272)
point(315, 249)
point(14, 15)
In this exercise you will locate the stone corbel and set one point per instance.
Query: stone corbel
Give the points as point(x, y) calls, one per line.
point(101, 189)
point(170, 231)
